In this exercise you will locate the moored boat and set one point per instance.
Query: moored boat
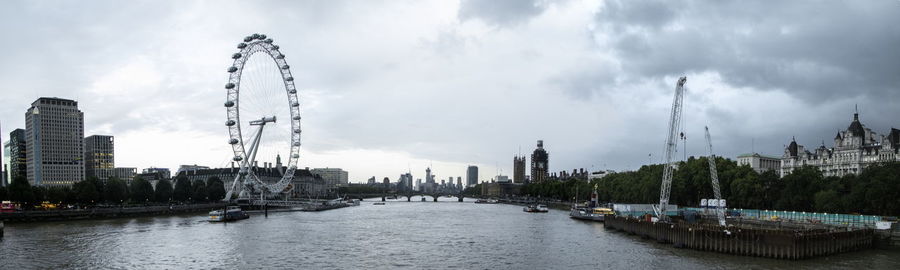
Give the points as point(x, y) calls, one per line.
point(539, 208)
point(231, 213)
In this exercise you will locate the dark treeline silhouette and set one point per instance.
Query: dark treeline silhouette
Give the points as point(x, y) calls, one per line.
point(114, 191)
point(875, 191)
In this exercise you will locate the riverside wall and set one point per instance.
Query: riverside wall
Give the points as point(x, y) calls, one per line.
point(101, 213)
point(792, 244)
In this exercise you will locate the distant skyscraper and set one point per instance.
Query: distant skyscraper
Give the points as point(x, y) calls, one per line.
point(54, 142)
point(406, 181)
point(125, 174)
point(519, 169)
point(99, 157)
point(15, 151)
point(459, 182)
point(472, 175)
point(539, 163)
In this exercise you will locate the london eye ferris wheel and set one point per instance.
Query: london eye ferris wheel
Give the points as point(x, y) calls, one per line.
point(261, 97)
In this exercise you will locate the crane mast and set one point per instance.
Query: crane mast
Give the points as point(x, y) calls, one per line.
point(714, 177)
point(671, 145)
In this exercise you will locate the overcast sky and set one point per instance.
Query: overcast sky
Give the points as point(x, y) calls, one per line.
point(397, 85)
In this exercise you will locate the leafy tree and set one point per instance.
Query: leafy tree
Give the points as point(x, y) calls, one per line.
point(799, 190)
point(58, 194)
point(86, 192)
point(40, 195)
point(198, 191)
point(98, 186)
point(182, 191)
point(20, 191)
point(115, 191)
point(163, 192)
point(141, 190)
point(828, 201)
point(215, 189)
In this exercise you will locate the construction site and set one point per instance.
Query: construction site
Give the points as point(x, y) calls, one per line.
point(762, 233)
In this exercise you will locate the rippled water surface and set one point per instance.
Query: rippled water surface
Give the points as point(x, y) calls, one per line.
point(414, 235)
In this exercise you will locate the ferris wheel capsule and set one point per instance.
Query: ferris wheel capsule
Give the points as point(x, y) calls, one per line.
point(232, 69)
point(235, 56)
point(229, 85)
point(229, 104)
point(262, 36)
point(248, 39)
point(242, 45)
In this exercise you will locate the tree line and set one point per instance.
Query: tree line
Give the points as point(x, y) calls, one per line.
point(114, 191)
point(874, 191)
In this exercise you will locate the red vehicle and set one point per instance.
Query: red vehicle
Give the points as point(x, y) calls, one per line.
point(7, 206)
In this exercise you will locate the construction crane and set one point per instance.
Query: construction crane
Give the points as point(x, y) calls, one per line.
point(714, 177)
point(671, 146)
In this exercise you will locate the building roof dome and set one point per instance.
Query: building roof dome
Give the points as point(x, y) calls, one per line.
point(856, 128)
point(792, 148)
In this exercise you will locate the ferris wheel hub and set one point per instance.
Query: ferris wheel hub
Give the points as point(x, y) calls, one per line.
point(263, 121)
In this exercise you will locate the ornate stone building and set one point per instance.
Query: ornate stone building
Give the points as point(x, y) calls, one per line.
point(854, 149)
point(540, 161)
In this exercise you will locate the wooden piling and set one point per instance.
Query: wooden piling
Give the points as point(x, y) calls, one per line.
point(791, 244)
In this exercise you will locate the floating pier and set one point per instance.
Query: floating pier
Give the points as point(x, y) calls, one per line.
point(791, 244)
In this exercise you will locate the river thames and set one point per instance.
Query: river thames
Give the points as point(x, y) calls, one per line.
point(400, 234)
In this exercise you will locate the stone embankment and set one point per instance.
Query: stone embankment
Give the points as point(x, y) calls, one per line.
point(101, 213)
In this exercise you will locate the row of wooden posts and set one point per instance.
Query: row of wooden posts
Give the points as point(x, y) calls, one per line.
point(771, 243)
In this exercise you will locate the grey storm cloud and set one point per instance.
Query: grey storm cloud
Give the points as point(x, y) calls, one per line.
point(816, 50)
point(466, 82)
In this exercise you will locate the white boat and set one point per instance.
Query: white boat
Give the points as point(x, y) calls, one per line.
point(231, 213)
point(540, 208)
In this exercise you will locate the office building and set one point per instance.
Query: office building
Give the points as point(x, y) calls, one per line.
point(99, 157)
point(160, 173)
point(472, 176)
point(125, 174)
point(333, 176)
point(54, 142)
point(18, 166)
point(760, 163)
point(187, 168)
